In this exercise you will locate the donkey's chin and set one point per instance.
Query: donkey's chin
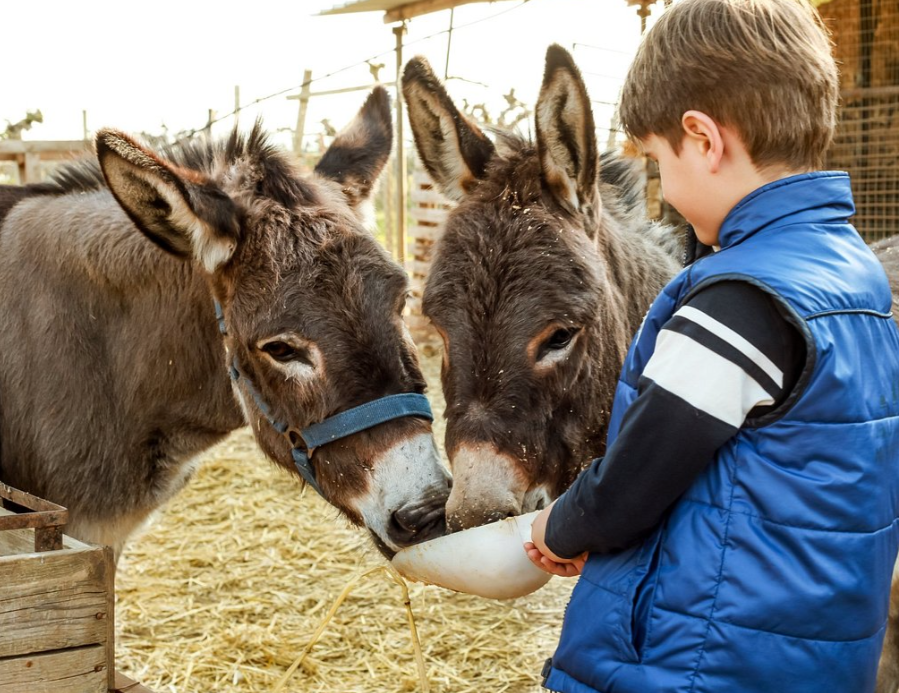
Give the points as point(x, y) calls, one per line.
point(537, 498)
point(406, 500)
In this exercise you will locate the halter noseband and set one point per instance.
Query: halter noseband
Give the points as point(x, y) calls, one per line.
point(341, 425)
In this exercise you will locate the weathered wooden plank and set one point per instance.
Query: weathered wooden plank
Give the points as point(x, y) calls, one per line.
point(21, 541)
point(421, 178)
point(415, 8)
point(41, 146)
point(125, 685)
point(433, 215)
point(418, 267)
point(81, 670)
point(53, 600)
point(45, 517)
point(426, 233)
point(422, 195)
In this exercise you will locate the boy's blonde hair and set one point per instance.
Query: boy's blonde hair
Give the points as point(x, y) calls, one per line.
point(762, 67)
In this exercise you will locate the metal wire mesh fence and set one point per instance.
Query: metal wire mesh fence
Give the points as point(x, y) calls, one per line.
point(867, 145)
point(866, 40)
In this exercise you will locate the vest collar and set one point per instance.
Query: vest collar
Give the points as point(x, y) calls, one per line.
point(816, 197)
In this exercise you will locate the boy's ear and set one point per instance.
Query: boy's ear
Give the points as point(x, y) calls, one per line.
point(701, 131)
point(358, 154)
point(180, 210)
point(452, 148)
point(566, 135)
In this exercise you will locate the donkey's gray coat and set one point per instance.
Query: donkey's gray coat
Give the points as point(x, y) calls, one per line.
point(113, 372)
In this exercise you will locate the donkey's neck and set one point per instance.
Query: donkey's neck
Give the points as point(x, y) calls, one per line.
point(139, 324)
point(640, 258)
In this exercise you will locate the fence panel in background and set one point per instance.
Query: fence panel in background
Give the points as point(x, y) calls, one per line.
point(866, 46)
point(867, 145)
point(428, 212)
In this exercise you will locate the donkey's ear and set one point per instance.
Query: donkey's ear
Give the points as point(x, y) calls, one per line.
point(358, 154)
point(179, 210)
point(566, 135)
point(451, 147)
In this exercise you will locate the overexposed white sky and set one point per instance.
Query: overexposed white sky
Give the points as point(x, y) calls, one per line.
point(137, 65)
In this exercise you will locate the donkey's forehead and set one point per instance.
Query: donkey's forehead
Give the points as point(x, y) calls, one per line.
point(524, 271)
point(344, 271)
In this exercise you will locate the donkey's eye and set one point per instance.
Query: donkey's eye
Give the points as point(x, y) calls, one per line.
point(560, 339)
point(286, 353)
point(557, 341)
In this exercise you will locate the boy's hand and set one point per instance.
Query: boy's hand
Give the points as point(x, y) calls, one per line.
point(542, 557)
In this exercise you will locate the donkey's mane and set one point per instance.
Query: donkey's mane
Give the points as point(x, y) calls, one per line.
point(281, 180)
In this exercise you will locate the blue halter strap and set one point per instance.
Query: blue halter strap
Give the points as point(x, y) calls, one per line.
point(341, 425)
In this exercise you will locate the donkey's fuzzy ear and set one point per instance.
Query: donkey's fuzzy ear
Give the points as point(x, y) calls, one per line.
point(452, 148)
point(566, 135)
point(179, 210)
point(358, 154)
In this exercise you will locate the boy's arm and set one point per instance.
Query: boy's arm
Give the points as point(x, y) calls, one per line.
point(725, 355)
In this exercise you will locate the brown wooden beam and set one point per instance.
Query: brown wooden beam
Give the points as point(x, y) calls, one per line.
point(40, 146)
point(417, 8)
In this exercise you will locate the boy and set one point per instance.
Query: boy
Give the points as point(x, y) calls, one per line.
point(741, 531)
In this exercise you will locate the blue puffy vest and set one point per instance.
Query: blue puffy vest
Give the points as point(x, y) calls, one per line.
point(772, 573)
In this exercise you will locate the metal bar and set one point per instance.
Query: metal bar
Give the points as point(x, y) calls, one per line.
point(399, 31)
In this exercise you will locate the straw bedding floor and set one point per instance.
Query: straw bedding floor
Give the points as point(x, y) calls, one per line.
point(225, 589)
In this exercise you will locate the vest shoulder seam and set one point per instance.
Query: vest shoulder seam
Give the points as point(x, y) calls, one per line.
point(849, 311)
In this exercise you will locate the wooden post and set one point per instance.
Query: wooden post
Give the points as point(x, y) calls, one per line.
point(236, 104)
point(398, 31)
point(301, 113)
point(30, 169)
point(84, 130)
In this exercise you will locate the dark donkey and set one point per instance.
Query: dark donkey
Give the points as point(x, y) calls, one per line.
point(114, 373)
point(539, 282)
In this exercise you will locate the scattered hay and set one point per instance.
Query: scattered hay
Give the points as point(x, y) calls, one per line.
point(225, 591)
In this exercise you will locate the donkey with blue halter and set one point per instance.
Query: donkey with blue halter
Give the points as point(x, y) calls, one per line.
point(131, 285)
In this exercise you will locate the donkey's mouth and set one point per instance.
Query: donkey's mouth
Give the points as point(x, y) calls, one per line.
point(385, 550)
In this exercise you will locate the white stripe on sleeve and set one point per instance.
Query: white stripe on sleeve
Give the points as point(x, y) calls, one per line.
point(704, 379)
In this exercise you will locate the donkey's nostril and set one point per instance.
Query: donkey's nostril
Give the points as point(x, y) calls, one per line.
point(416, 523)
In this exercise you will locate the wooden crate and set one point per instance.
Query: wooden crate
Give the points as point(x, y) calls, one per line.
point(56, 603)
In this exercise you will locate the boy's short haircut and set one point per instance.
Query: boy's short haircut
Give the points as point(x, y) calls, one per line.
point(762, 67)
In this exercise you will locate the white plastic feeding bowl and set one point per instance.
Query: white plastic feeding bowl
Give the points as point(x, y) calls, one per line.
point(488, 561)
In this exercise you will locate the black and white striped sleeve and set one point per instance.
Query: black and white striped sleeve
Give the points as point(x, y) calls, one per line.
point(726, 355)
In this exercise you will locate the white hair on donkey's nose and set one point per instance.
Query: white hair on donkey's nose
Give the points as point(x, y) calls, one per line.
point(409, 473)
